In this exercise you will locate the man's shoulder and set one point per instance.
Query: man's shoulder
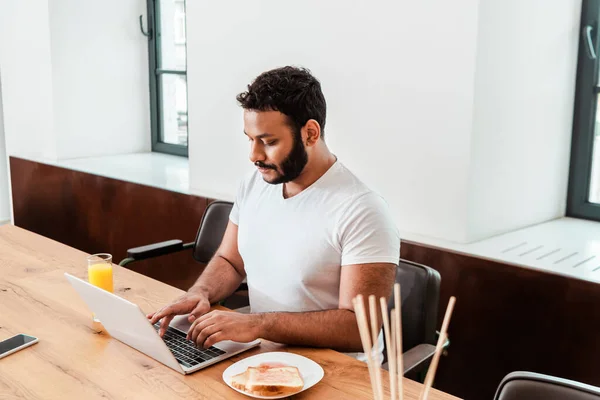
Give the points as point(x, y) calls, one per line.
point(357, 195)
point(348, 186)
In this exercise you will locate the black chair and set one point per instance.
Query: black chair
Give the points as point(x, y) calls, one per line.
point(210, 234)
point(522, 385)
point(420, 291)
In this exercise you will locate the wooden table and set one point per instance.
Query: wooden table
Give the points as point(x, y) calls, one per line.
point(75, 359)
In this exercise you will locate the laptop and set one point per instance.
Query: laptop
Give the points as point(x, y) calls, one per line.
point(126, 322)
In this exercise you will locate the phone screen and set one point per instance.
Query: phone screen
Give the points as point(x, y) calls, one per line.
point(14, 342)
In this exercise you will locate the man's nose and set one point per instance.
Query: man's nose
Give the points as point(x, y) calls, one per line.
point(256, 152)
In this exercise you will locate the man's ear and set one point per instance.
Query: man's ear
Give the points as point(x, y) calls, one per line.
point(312, 131)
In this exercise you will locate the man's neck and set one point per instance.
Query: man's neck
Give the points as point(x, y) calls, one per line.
point(313, 170)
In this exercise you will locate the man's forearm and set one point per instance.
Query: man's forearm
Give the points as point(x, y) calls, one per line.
point(218, 280)
point(335, 329)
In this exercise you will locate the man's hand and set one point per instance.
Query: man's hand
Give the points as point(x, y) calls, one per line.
point(195, 302)
point(225, 325)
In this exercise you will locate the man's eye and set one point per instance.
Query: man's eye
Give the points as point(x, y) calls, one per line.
point(271, 143)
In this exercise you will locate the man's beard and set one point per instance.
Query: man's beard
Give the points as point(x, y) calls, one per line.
point(292, 166)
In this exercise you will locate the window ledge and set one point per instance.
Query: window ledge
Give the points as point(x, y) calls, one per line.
point(565, 246)
point(158, 170)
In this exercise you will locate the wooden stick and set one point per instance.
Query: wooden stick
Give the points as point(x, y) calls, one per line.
point(375, 332)
point(398, 338)
point(363, 329)
point(438, 350)
point(393, 325)
point(389, 344)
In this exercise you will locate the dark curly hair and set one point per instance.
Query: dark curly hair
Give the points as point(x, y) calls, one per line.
point(292, 91)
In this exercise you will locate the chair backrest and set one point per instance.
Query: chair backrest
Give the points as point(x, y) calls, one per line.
point(420, 292)
point(531, 386)
point(211, 230)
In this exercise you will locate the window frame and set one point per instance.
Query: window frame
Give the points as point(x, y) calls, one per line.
point(155, 73)
point(584, 118)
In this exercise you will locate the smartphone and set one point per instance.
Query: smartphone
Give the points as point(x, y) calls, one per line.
point(16, 343)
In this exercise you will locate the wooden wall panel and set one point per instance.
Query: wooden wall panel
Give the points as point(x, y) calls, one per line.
point(509, 318)
point(97, 214)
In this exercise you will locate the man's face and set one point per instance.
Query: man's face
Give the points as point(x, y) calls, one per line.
point(277, 152)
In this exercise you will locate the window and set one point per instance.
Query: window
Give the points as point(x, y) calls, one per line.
point(584, 179)
point(168, 76)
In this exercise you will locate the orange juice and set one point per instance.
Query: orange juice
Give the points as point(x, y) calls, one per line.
point(100, 275)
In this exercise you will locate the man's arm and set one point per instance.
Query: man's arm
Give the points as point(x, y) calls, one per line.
point(221, 277)
point(225, 271)
point(336, 329)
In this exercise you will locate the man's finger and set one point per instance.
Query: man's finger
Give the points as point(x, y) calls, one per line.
point(203, 317)
point(160, 314)
point(190, 330)
point(165, 324)
point(197, 327)
point(214, 338)
point(200, 321)
point(173, 309)
point(197, 321)
point(205, 333)
point(198, 311)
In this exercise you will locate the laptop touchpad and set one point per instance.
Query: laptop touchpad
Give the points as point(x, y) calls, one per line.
point(181, 322)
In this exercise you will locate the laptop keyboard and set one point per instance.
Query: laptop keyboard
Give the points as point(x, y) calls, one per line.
point(185, 351)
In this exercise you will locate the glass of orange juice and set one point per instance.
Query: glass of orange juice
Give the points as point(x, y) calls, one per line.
point(100, 272)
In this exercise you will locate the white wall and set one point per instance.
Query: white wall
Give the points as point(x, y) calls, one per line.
point(75, 76)
point(5, 213)
point(397, 76)
point(524, 93)
point(100, 77)
point(25, 66)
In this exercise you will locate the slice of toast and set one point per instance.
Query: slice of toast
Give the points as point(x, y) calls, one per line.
point(239, 381)
point(267, 381)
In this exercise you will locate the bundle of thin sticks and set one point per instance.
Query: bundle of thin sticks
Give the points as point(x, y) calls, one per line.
point(393, 341)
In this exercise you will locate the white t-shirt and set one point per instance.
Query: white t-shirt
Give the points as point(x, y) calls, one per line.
point(294, 249)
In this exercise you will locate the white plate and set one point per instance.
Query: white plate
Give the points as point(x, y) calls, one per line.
point(310, 371)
